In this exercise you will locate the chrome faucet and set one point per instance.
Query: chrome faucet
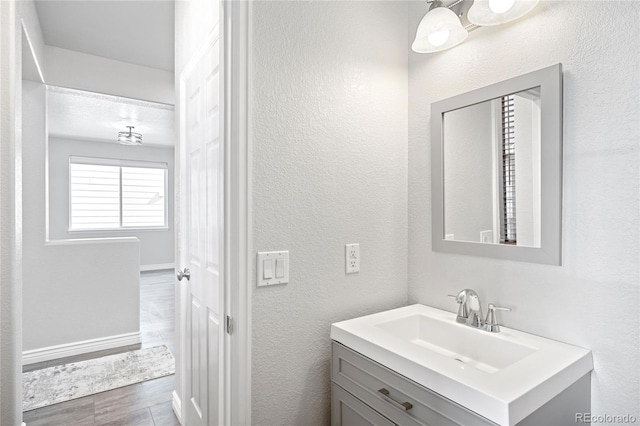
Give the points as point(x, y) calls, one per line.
point(470, 311)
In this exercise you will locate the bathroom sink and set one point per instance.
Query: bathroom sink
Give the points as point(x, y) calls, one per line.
point(502, 376)
point(454, 341)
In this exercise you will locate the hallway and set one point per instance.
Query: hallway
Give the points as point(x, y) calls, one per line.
point(142, 404)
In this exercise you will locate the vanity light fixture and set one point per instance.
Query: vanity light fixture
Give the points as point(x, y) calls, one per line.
point(496, 12)
point(448, 22)
point(438, 30)
point(129, 138)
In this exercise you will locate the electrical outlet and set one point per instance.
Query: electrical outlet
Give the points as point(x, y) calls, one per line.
point(486, 236)
point(352, 258)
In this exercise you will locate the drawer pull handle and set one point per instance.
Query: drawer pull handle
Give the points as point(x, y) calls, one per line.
point(405, 406)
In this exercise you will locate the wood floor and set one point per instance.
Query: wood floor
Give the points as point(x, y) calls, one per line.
point(142, 404)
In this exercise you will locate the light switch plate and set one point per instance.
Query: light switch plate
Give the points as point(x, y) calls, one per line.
point(282, 258)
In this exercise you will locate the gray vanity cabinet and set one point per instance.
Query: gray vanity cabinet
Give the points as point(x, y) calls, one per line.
point(364, 392)
point(367, 393)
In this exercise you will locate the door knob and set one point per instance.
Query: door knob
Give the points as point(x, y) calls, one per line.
point(184, 274)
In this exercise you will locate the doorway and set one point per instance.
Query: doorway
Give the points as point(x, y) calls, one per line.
point(236, 302)
point(100, 197)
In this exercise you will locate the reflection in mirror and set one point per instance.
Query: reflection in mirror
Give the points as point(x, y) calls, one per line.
point(496, 170)
point(491, 167)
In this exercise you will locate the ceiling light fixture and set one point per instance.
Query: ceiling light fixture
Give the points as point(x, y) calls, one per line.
point(130, 138)
point(438, 30)
point(495, 12)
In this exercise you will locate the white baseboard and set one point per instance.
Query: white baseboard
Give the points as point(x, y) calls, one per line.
point(76, 348)
point(176, 404)
point(157, 267)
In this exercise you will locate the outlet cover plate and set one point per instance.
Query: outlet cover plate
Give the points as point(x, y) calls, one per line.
point(486, 236)
point(352, 258)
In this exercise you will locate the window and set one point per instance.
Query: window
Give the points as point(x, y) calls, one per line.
point(508, 172)
point(116, 194)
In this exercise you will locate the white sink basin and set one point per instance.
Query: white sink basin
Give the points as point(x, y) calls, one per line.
point(463, 344)
point(502, 376)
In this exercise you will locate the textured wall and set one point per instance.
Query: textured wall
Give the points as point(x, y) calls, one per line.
point(329, 148)
point(156, 245)
point(592, 299)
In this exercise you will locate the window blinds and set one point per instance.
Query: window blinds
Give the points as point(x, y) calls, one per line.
point(508, 172)
point(143, 197)
point(115, 196)
point(95, 196)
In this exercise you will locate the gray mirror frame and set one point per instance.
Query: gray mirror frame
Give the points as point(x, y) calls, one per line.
point(550, 251)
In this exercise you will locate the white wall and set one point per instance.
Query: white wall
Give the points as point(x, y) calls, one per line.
point(329, 132)
point(468, 171)
point(156, 246)
point(72, 291)
point(527, 145)
point(76, 70)
point(33, 32)
point(592, 299)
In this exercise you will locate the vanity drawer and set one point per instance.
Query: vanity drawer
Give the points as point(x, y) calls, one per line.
point(365, 378)
point(347, 410)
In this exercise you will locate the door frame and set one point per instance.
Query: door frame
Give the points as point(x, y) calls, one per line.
point(237, 18)
point(10, 214)
point(236, 402)
point(15, 42)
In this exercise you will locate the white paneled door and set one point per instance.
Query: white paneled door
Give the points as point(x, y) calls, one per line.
point(202, 166)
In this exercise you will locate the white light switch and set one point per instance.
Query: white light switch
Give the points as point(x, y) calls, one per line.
point(267, 269)
point(279, 268)
point(272, 268)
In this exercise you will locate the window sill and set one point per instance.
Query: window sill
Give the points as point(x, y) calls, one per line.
point(116, 230)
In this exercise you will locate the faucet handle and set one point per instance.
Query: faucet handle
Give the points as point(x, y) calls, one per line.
point(491, 323)
point(462, 308)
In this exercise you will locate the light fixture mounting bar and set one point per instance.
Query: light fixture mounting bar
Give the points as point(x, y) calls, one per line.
point(460, 8)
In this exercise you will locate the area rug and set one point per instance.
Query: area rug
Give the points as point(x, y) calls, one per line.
point(70, 381)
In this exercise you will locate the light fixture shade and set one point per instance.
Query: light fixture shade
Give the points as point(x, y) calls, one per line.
point(486, 13)
point(129, 138)
point(440, 29)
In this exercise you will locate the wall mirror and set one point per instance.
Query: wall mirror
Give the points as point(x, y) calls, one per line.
point(497, 170)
